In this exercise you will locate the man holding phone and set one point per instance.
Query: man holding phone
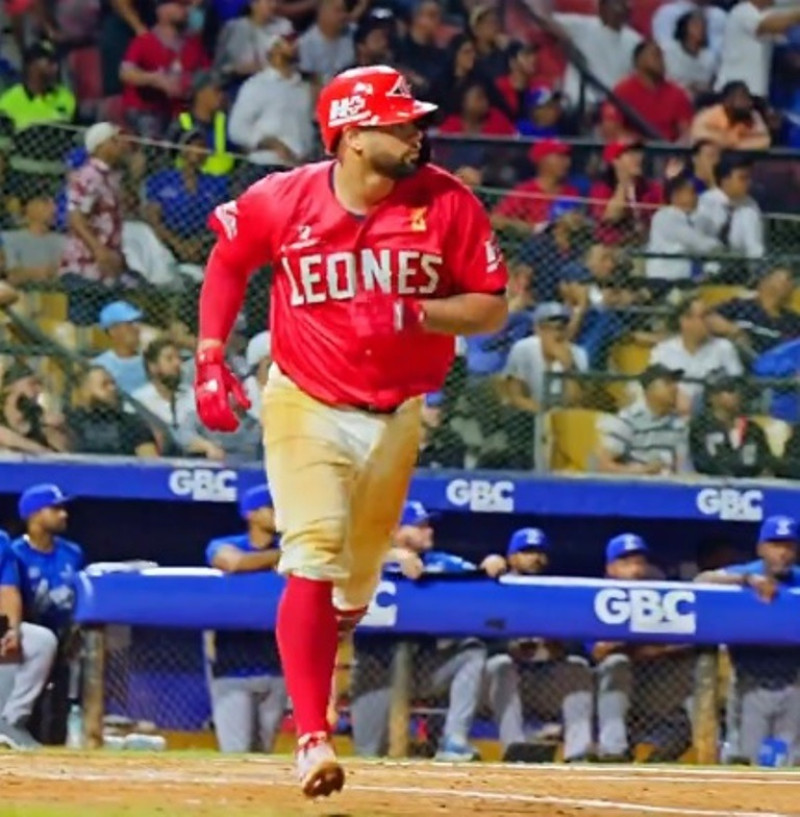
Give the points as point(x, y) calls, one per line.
point(27, 652)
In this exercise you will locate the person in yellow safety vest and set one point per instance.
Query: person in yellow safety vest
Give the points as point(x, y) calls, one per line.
point(207, 115)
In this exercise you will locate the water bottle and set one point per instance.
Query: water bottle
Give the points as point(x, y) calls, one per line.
point(75, 727)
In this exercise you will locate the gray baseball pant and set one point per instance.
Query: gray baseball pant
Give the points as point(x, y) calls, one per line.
point(22, 682)
point(462, 672)
point(248, 712)
point(550, 690)
point(653, 696)
point(756, 712)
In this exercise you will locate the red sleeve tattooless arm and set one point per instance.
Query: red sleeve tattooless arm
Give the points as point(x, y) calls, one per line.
point(223, 291)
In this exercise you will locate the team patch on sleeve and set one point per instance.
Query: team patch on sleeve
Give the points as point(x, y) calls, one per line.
point(494, 255)
point(227, 216)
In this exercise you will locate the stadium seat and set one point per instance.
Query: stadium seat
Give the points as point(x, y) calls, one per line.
point(628, 357)
point(51, 305)
point(777, 431)
point(714, 294)
point(794, 304)
point(572, 438)
point(61, 331)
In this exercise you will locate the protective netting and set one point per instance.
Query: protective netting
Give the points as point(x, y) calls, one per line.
point(608, 276)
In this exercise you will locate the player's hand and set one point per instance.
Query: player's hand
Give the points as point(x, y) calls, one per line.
point(215, 385)
point(380, 314)
point(764, 587)
point(411, 565)
point(494, 565)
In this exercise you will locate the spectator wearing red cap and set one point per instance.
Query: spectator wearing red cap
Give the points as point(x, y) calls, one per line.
point(624, 201)
point(476, 116)
point(661, 103)
point(521, 80)
point(527, 206)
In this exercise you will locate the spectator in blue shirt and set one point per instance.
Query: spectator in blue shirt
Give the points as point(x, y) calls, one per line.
point(27, 652)
point(180, 200)
point(444, 664)
point(764, 698)
point(124, 360)
point(248, 693)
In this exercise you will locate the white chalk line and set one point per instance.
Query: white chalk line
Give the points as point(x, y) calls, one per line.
point(175, 777)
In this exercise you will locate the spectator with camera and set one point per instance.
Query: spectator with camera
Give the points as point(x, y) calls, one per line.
point(649, 436)
point(27, 652)
point(100, 425)
point(722, 441)
point(21, 413)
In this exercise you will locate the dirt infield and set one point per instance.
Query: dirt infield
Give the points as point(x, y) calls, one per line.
point(147, 785)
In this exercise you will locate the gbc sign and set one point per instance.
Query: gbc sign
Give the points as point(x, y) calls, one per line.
point(482, 495)
point(731, 504)
point(204, 484)
point(379, 613)
point(648, 611)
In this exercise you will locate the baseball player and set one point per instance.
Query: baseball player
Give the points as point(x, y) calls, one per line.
point(48, 564)
point(379, 261)
point(248, 694)
point(642, 686)
point(548, 679)
point(764, 695)
point(442, 665)
point(26, 656)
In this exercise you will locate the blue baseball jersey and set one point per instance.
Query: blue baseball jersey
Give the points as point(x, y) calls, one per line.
point(47, 581)
point(771, 667)
point(242, 653)
point(438, 562)
point(9, 574)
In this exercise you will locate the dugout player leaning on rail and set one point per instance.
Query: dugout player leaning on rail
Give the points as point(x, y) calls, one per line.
point(441, 665)
point(642, 689)
point(379, 261)
point(550, 680)
point(27, 652)
point(764, 694)
point(248, 693)
point(48, 564)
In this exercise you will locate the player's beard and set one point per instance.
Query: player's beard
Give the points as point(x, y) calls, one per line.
point(396, 169)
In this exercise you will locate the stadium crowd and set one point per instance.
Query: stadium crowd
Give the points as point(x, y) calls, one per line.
point(647, 289)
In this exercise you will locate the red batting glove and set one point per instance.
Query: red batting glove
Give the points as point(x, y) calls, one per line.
point(214, 386)
point(379, 314)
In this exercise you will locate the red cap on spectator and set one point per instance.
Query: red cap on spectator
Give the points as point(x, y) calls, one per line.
point(16, 7)
point(548, 147)
point(613, 150)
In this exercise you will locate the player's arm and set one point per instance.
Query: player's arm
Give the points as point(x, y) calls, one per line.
point(230, 559)
point(476, 262)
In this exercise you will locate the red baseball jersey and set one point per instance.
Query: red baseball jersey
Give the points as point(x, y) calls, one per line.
point(430, 238)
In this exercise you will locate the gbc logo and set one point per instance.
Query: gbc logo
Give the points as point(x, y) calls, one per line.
point(731, 504)
point(204, 484)
point(482, 495)
point(379, 615)
point(648, 611)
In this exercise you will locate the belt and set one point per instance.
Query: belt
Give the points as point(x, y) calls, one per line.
point(369, 408)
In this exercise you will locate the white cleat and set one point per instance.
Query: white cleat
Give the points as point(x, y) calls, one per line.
point(318, 769)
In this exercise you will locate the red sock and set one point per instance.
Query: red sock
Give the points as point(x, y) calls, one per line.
point(307, 641)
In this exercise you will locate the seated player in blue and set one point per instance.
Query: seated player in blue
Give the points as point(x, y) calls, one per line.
point(26, 657)
point(248, 693)
point(453, 666)
point(764, 695)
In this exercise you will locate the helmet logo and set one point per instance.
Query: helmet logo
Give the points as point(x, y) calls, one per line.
point(401, 88)
point(346, 110)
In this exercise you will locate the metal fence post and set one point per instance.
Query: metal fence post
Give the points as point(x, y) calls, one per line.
point(94, 685)
point(706, 707)
point(400, 709)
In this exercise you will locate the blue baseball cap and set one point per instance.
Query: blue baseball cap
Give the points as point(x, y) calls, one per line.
point(527, 539)
point(550, 311)
point(626, 544)
point(560, 207)
point(38, 497)
point(434, 399)
point(778, 529)
point(253, 499)
point(119, 312)
point(414, 513)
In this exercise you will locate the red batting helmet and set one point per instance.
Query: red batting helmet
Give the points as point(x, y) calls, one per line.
point(365, 97)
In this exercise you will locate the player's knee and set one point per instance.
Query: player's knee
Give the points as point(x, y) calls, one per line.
point(39, 643)
point(500, 666)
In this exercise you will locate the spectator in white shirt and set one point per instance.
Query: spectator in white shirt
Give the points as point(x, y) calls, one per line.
point(728, 212)
point(750, 33)
point(244, 42)
point(688, 59)
point(272, 115)
point(172, 402)
point(549, 351)
point(667, 16)
point(605, 40)
point(672, 232)
point(258, 358)
point(327, 47)
point(695, 351)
